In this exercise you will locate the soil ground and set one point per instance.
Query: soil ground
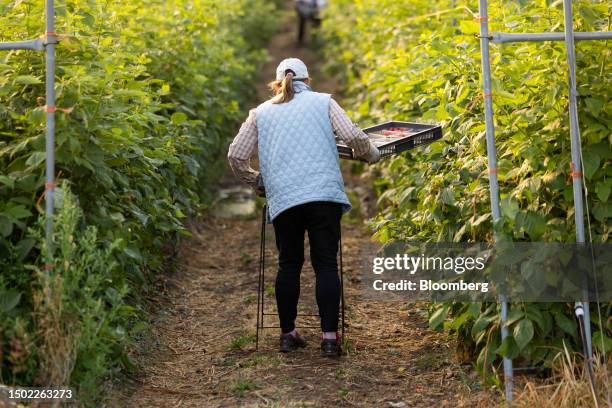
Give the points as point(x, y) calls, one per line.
point(202, 353)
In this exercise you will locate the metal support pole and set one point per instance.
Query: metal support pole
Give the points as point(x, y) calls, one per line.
point(48, 45)
point(260, 278)
point(576, 154)
point(492, 160)
point(51, 40)
point(501, 38)
point(341, 285)
point(35, 45)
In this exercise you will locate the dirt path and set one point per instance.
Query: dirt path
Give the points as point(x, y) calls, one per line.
point(284, 45)
point(203, 354)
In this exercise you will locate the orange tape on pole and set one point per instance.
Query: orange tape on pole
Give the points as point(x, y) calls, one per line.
point(48, 186)
point(574, 174)
point(55, 109)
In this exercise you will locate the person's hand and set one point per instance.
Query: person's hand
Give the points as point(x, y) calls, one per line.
point(260, 191)
point(259, 188)
point(374, 156)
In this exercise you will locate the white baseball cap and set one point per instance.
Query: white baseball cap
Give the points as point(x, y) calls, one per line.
point(294, 64)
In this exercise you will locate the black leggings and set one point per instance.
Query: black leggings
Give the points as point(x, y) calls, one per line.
point(316, 22)
point(321, 220)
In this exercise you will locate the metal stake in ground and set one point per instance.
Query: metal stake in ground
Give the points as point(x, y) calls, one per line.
point(48, 45)
point(492, 160)
point(51, 40)
point(576, 170)
point(569, 36)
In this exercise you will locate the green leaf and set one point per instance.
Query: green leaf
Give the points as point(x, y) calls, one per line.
point(602, 211)
point(564, 323)
point(534, 224)
point(142, 217)
point(130, 93)
point(598, 338)
point(27, 80)
point(523, 333)
point(591, 163)
point(23, 248)
point(437, 318)
point(9, 299)
point(515, 314)
point(36, 159)
point(6, 226)
point(533, 313)
point(117, 217)
point(602, 189)
point(7, 181)
point(133, 253)
point(481, 324)
point(468, 27)
point(594, 105)
point(448, 196)
point(508, 348)
point(481, 219)
point(487, 355)
point(17, 212)
point(178, 117)
point(474, 309)
point(364, 108)
point(509, 208)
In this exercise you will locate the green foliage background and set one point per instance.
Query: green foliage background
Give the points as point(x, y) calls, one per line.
point(151, 92)
point(418, 60)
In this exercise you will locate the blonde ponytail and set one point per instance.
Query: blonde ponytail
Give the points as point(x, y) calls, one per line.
point(283, 89)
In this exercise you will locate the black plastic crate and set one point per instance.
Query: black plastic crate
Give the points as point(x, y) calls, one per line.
point(395, 137)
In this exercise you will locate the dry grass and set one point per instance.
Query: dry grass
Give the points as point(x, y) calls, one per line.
point(202, 352)
point(58, 338)
point(570, 387)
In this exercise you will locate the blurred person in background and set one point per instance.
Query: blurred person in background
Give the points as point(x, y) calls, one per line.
point(295, 134)
point(308, 10)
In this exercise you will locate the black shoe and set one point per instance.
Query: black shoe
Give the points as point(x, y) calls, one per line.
point(331, 348)
point(289, 342)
